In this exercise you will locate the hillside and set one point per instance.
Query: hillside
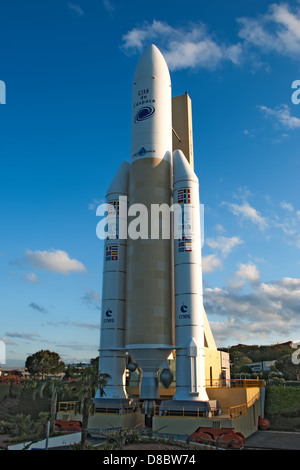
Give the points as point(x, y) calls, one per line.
point(281, 359)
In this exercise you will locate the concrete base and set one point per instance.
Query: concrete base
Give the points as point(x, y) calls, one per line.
point(185, 425)
point(99, 423)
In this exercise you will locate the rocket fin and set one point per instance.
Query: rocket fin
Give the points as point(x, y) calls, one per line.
point(209, 341)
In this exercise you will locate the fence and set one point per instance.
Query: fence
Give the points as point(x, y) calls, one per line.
point(235, 383)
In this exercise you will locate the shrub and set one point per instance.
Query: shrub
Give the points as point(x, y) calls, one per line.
point(282, 399)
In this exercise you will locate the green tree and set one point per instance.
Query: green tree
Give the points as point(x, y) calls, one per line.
point(86, 382)
point(44, 362)
point(288, 367)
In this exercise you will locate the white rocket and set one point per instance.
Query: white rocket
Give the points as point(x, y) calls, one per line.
point(189, 321)
point(112, 354)
point(152, 287)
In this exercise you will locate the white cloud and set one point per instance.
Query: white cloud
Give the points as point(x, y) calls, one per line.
point(296, 241)
point(76, 8)
point(108, 5)
point(284, 224)
point(289, 224)
point(276, 31)
point(92, 205)
point(210, 263)
point(220, 229)
point(287, 290)
point(281, 115)
point(224, 244)
point(31, 277)
point(91, 299)
point(249, 213)
point(248, 271)
point(242, 193)
point(191, 47)
point(287, 205)
point(55, 260)
point(267, 310)
point(237, 284)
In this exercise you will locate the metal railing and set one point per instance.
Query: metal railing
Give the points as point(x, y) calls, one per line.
point(231, 412)
point(237, 410)
point(117, 409)
point(67, 406)
point(234, 383)
point(73, 407)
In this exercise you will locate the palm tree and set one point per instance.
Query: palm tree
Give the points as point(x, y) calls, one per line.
point(27, 427)
point(86, 382)
point(53, 386)
point(21, 424)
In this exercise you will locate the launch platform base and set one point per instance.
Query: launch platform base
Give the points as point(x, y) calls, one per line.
point(184, 408)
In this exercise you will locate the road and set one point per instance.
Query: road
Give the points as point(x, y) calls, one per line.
point(278, 440)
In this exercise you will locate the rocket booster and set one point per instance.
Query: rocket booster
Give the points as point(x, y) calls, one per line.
point(189, 322)
point(112, 354)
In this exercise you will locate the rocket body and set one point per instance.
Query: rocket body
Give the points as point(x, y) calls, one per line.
point(149, 269)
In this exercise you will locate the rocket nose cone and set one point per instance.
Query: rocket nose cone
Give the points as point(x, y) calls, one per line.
point(181, 167)
point(153, 63)
point(120, 182)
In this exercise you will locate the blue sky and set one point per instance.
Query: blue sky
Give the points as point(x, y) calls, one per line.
point(65, 129)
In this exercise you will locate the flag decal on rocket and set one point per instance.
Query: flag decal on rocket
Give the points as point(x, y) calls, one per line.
point(113, 207)
point(111, 253)
point(144, 113)
point(184, 244)
point(184, 196)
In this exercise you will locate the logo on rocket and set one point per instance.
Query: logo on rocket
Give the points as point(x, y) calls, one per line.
point(184, 315)
point(183, 308)
point(108, 313)
point(142, 152)
point(144, 113)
